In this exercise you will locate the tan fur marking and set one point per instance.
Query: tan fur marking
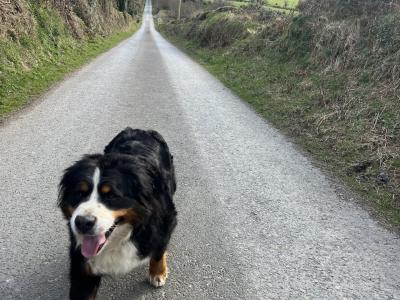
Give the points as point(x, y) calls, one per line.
point(67, 211)
point(83, 187)
point(105, 189)
point(128, 215)
point(158, 271)
point(87, 269)
point(93, 295)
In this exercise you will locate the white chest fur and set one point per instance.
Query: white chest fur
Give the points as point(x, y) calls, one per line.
point(118, 256)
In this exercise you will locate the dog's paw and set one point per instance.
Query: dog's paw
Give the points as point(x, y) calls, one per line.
point(158, 280)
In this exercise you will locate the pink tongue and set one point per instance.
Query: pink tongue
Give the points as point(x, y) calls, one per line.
point(91, 244)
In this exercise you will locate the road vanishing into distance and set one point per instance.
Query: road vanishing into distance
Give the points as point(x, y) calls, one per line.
point(257, 220)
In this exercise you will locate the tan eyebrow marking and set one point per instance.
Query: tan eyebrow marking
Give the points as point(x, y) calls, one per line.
point(67, 210)
point(127, 215)
point(83, 187)
point(105, 188)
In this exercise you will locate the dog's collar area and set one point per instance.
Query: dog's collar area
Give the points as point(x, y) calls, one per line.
point(109, 231)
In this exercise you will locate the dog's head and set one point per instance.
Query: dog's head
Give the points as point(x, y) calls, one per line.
point(100, 192)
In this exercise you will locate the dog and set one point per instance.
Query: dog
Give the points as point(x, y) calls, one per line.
point(120, 211)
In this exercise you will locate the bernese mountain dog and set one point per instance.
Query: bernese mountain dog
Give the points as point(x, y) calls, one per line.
point(120, 210)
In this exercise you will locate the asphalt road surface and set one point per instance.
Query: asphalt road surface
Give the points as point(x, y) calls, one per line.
point(256, 219)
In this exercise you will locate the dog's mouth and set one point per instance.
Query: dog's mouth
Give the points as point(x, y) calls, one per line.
point(92, 244)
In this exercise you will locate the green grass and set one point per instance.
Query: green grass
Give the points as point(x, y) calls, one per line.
point(289, 4)
point(238, 3)
point(29, 65)
point(277, 5)
point(283, 10)
point(309, 106)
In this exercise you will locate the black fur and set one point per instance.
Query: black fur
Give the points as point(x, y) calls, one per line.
point(139, 167)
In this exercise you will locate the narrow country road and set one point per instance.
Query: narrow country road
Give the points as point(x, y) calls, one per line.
point(256, 219)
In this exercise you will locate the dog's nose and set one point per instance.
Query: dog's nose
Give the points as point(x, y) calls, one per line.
point(85, 223)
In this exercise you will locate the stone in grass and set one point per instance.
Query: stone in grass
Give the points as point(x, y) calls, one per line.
point(359, 167)
point(382, 177)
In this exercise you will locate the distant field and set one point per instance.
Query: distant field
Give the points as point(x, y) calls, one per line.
point(238, 3)
point(283, 3)
point(280, 5)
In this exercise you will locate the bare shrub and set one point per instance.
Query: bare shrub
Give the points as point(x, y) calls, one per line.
point(170, 5)
point(164, 4)
point(190, 8)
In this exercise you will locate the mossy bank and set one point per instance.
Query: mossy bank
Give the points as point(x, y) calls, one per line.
point(41, 41)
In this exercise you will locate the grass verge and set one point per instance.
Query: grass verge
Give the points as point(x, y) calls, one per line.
point(24, 77)
point(298, 100)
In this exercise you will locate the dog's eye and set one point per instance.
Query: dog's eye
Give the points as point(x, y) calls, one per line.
point(83, 187)
point(105, 189)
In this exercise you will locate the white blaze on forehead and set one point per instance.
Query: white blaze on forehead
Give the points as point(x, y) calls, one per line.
point(88, 207)
point(94, 196)
point(93, 207)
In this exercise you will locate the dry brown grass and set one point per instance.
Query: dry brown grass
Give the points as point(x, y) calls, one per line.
point(340, 9)
point(15, 18)
point(84, 18)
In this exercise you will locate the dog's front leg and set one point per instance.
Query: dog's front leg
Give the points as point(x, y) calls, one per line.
point(158, 270)
point(84, 284)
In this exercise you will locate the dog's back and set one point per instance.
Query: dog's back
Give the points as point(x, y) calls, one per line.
point(148, 144)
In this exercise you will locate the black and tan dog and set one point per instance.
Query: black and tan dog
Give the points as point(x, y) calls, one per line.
point(120, 210)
